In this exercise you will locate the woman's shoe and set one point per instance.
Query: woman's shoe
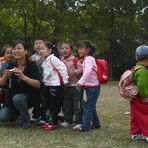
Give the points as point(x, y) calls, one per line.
point(25, 125)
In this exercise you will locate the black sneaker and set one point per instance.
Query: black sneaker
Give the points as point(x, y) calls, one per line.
point(41, 122)
point(33, 120)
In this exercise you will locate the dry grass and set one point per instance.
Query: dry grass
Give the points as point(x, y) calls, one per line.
point(113, 134)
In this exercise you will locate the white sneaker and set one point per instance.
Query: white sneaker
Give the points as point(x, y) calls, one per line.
point(137, 137)
point(65, 124)
point(77, 126)
point(145, 138)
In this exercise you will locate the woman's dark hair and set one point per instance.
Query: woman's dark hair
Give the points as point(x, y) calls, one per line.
point(3, 50)
point(87, 44)
point(23, 43)
point(68, 43)
point(55, 51)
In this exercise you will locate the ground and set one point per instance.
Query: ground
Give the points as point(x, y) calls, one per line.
point(114, 132)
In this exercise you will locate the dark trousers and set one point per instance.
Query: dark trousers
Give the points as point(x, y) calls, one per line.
point(73, 101)
point(36, 113)
point(52, 98)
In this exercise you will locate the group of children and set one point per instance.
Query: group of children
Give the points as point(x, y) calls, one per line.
point(63, 79)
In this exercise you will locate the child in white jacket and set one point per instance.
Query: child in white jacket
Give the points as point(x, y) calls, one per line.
point(54, 76)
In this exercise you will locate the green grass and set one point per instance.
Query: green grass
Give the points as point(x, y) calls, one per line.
point(114, 132)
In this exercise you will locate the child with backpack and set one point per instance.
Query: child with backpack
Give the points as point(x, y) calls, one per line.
point(90, 82)
point(139, 105)
point(72, 97)
point(54, 77)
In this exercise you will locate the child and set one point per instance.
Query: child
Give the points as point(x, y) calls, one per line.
point(53, 68)
point(5, 63)
point(37, 58)
point(90, 82)
point(139, 106)
point(72, 97)
point(37, 46)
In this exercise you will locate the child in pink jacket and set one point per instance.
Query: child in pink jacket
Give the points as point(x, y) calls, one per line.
point(90, 82)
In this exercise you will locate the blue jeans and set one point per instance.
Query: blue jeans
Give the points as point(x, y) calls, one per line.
point(89, 111)
point(20, 104)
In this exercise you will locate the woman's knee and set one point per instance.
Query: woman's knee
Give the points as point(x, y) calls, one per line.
point(5, 114)
point(19, 99)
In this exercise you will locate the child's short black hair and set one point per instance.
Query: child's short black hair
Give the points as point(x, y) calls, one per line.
point(141, 59)
point(87, 44)
point(68, 43)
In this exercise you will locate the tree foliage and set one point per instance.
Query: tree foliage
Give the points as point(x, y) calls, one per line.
point(117, 27)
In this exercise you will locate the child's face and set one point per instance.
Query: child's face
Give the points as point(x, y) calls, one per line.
point(37, 45)
point(8, 54)
point(83, 51)
point(44, 51)
point(66, 50)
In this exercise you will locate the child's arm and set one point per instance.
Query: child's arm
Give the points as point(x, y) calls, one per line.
point(142, 83)
point(60, 66)
point(88, 66)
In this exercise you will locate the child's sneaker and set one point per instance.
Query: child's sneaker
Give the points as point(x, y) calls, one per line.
point(145, 138)
point(49, 127)
point(77, 126)
point(41, 122)
point(137, 137)
point(65, 124)
point(95, 126)
point(34, 120)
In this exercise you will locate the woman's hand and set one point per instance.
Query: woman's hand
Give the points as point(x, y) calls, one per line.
point(7, 73)
point(19, 73)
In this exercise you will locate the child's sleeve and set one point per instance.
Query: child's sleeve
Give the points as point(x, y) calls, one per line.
point(142, 82)
point(88, 66)
point(60, 66)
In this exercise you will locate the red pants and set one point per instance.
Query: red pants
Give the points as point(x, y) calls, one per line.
point(139, 117)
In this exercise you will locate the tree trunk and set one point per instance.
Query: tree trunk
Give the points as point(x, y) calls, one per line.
point(25, 24)
point(34, 20)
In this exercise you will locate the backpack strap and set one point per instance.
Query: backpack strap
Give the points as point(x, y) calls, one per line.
point(59, 75)
point(134, 69)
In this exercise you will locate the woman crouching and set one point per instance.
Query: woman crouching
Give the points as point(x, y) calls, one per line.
point(25, 84)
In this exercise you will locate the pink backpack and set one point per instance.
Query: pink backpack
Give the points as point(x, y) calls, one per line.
point(127, 88)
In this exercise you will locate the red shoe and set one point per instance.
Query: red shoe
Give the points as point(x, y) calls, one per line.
point(45, 125)
point(49, 127)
